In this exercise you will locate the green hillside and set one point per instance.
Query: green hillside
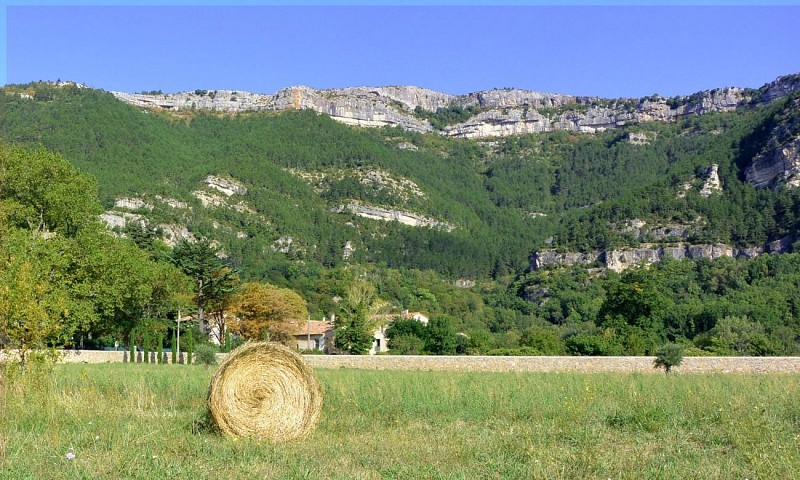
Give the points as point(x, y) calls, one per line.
point(495, 201)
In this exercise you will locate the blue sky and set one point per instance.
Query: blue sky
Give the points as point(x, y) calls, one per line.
point(622, 50)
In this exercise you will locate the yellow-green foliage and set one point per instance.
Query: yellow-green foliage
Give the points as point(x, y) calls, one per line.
point(140, 421)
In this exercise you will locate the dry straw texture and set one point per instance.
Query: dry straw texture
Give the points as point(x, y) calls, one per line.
point(265, 391)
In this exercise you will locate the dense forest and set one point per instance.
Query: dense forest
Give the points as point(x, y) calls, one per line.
point(502, 199)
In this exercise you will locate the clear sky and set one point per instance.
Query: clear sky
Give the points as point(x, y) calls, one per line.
point(605, 50)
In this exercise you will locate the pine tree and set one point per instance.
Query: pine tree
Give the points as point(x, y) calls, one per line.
point(160, 349)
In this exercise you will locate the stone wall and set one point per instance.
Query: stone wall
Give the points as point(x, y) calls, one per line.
point(509, 364)
point(555, 364)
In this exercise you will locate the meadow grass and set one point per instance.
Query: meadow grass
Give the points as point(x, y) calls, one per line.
point(143, 421)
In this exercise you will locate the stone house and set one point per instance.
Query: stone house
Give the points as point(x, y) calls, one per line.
point(380, 340)
point(313, 335)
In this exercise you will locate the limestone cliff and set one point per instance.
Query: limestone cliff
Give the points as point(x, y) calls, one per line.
point(501, 112)
point(391, 215)
point(712, 183)
point(623, 258)
point(779, 161)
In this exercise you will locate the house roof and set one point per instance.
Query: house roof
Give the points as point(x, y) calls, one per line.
point(312, 327)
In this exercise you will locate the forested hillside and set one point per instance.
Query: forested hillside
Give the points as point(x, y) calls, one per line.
point(304, 187)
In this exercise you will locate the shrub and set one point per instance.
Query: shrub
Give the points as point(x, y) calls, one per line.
point(206, 354)
point(668, 355)
point(406, 344)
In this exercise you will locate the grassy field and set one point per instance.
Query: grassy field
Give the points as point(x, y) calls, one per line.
point(140, 421)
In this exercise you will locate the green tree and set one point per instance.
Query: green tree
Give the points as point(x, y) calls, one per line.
point(34, 312)
point(441, 337)
point(735, 335)
point(406, 344)
point(206, 355)
point(42, 192)
point(544, 340)
point(214, 282)
point(357, 319)
point(406, 335)
point(668, 356)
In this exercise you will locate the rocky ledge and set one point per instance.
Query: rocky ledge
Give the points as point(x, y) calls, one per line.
point(389, 215)
point(624, 258)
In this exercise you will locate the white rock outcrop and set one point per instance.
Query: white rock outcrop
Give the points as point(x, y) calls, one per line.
point(623, 258)
point(174, 233)
point(172, 202)
point(389, 215)
point(501, 112)
point(227, 186)
point(114, 219)
point(712, 183)
point(132, 203)
point(348, 250)
point(779, 162)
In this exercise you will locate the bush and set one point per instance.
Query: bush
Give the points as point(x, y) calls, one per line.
point(205, 354)
point(668, 355)
point(406, 344)
point(441, 337)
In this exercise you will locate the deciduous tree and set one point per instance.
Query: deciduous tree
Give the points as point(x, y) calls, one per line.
point(263, 309)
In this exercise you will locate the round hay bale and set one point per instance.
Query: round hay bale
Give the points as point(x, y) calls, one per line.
point(265, 391)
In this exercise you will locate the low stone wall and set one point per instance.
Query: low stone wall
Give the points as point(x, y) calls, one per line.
point(556, 364)
point(99, 356)
point(507, 364)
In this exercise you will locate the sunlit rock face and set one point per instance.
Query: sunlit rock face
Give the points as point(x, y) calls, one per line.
point(498, 112)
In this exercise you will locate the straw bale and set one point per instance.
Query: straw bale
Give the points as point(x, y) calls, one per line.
point(265, 391)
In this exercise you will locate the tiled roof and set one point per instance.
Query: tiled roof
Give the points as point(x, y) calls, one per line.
point(313, 327)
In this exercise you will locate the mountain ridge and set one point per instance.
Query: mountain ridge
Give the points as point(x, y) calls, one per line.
point(482, 114)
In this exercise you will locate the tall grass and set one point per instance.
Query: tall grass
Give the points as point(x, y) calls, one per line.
point(141, 421)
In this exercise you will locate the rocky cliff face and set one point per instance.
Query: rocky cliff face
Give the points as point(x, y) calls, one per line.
point(390, 215)
point(502, 112)
point(779, 161)
point(712, 183)
point(624, 258)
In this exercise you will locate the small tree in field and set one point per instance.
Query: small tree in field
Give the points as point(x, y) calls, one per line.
point(668, 355)
point(206, 355)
